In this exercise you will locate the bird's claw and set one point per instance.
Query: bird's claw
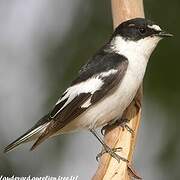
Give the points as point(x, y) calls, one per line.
point(120, 122)
point(112, 153)
point(125, 126)
point(104, 129)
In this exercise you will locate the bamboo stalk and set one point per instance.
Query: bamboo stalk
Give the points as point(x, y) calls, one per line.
point(109, 168)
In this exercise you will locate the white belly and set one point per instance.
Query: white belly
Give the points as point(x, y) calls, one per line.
point(111, 106)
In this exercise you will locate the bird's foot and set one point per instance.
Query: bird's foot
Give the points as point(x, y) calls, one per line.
point(124, 126)
point(108, 126)
point(119, 122)
point(112, 153)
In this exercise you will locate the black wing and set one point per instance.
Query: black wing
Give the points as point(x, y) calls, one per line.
point(108, 68)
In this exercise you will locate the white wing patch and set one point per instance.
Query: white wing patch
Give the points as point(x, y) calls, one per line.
point(107, 73)
point(91, 85)
point(155, 27)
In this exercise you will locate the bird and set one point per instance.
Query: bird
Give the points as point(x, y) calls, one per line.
point(104, 86)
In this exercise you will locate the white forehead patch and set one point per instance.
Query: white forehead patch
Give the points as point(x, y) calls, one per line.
point(155, 27)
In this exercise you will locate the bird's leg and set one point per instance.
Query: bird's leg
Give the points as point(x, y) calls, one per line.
point(107, 149)
point(118, 122)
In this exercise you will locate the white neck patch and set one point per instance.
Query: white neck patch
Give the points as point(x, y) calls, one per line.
point(134, 49)
point(155, 27)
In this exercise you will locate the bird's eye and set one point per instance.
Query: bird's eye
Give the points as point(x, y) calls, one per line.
point(142, 30)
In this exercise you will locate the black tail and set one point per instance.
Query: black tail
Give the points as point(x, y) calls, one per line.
point(31, 134)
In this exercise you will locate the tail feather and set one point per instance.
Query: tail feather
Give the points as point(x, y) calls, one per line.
point(30, 135)
point(44, 135)
point(51, 129)
point(40, 139)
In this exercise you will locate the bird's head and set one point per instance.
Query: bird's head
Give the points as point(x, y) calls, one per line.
point(137, 34)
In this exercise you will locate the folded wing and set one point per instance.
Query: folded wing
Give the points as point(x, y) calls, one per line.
point(97, 78)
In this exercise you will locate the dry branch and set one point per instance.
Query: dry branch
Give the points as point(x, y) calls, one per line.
point(109, 168)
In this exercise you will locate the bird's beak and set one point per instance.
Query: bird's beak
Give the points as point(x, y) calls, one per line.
point(163, 34)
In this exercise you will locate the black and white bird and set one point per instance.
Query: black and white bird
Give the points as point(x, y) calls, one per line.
point(104, 87)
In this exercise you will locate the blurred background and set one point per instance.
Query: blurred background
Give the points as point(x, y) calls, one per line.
point(42, 45)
